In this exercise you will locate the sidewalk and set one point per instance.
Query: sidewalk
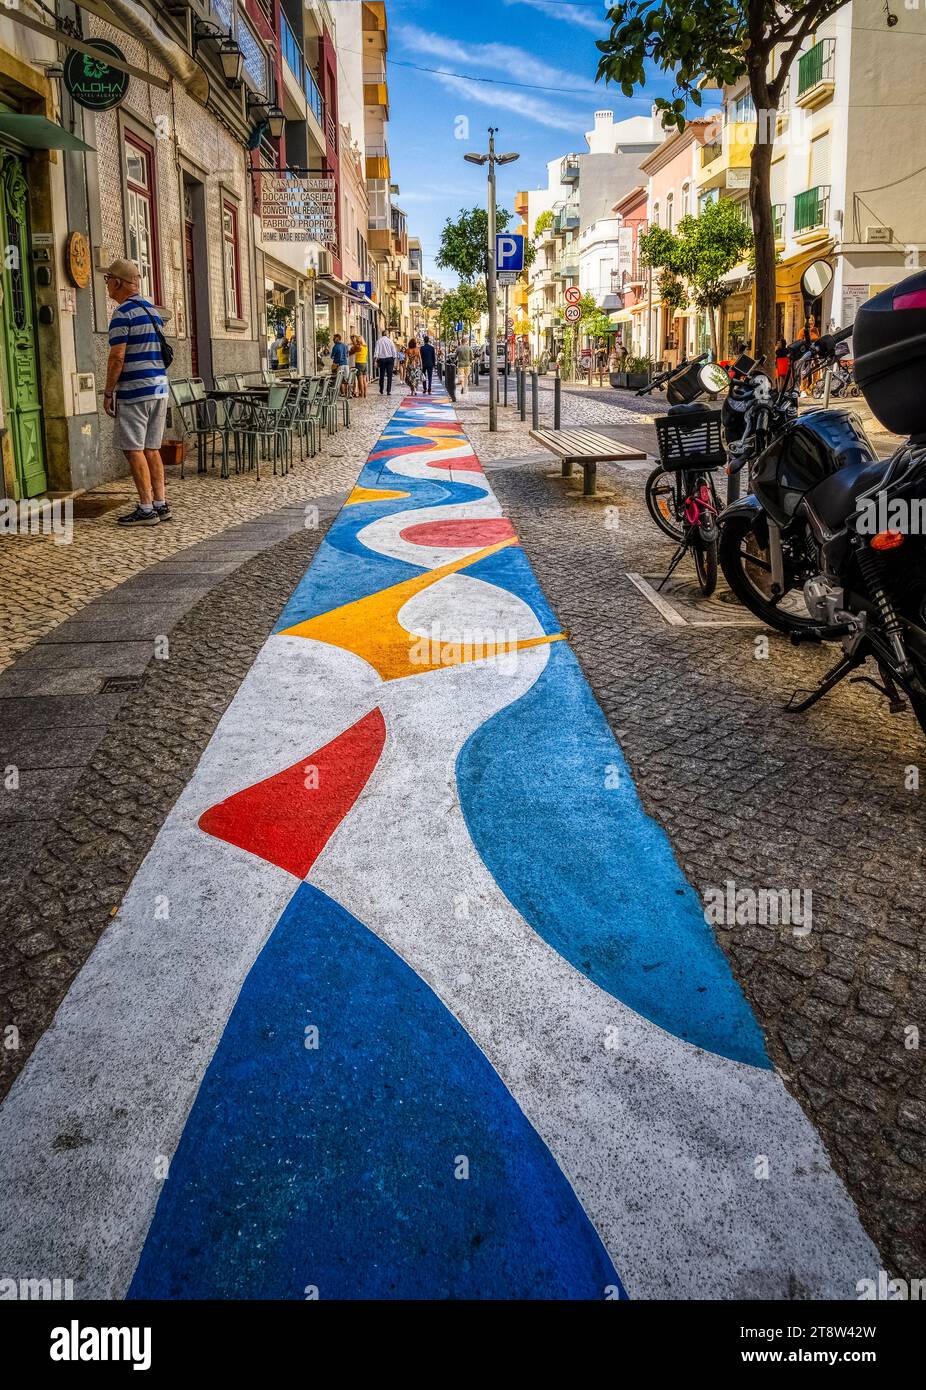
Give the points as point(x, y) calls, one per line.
point(44, 583)
point(410, 998)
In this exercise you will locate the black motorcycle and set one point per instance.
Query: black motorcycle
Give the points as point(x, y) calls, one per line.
point(819, 549)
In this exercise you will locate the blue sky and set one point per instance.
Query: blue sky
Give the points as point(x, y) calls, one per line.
point(549, 44)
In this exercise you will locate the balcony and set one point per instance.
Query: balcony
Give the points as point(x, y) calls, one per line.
point(377, 165)
point(779, 216)
point(816, 75)
point(569, 169)
point(314, 97)
point(812, 213)
point(724, 164)
point(565, 220)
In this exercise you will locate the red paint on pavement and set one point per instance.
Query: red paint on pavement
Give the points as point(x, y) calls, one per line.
point(464, 531)
point(289, 818)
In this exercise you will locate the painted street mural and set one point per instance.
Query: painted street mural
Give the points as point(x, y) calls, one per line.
point(410, 998)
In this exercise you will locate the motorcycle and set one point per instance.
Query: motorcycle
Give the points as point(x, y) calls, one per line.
point(809, 550)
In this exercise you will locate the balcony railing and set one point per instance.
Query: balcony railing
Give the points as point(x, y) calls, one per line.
point(812, 209)
point(292, 53)
point(569, 169)
point(779, 212)
point(313, 96)
point(817, 65)
point(711, 152)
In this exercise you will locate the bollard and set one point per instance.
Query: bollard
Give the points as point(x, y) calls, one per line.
point(557, 401)
point(506, 382)
point(523, 400)
point(535, 404)
point(450, 380)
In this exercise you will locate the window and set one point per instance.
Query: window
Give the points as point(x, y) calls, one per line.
point(670, 210)
point(686, 199)
point(744, 108)
point(141, 214)
point(231, 261)
point(655, 214)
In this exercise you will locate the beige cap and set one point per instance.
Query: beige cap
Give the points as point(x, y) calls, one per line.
point(123, 270)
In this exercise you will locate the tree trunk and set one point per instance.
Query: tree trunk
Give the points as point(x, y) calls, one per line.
point(760, 201)
point(712, 324)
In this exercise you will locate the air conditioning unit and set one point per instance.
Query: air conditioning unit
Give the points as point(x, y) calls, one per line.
point(879, 235)
point(324, 263)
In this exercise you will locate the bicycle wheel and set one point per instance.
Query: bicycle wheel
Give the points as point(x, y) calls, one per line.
point(705, 558)
point(662, 502)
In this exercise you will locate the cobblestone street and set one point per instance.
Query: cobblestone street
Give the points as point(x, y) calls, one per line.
point(744, 792)
point(747, 793)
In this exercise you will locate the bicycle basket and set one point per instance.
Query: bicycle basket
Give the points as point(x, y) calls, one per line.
point(691, 440)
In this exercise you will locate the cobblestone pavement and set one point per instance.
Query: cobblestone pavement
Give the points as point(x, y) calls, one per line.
point(106, 824)
point(43, 582)
point(750, 795)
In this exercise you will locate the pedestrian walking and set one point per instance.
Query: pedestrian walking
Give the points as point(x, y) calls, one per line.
point(413, 365)
point(135, 393)
point(280, 350)
point(360, 353)
point(400, 362)
point(464, 367)
point(339, 358)
point(428, 363)
point(384, 355)
point(782, 363)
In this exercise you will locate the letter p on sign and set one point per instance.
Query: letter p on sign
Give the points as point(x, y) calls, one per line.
point(509, 251)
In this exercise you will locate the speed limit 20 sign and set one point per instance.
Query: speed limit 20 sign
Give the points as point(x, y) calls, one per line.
point(572, 294)
point(572, 312)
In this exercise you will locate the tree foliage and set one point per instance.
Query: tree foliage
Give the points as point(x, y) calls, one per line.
point(466, 304)
point(544, 220)
point(697, 255)
point(464, 244)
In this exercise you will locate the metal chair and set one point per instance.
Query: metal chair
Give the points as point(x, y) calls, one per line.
point(267, 430)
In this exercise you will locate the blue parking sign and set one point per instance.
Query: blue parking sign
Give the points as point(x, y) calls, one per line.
point(509, 251)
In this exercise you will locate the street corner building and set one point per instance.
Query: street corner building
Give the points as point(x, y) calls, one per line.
point(224, 147)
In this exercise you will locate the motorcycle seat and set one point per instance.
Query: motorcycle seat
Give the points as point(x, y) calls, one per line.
point(686, 409)
point(835, 498)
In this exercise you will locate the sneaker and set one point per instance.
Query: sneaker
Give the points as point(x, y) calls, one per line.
point(139, 518)
point(163, 510)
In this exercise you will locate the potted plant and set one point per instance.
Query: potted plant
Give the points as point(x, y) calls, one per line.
point(638, 371)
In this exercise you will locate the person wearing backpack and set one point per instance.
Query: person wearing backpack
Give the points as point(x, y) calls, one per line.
point(135, 394)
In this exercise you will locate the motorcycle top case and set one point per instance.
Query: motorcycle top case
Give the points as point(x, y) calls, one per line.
point(818, 444)
point(889, 338)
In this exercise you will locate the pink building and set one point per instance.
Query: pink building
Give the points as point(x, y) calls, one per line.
point(671, 194)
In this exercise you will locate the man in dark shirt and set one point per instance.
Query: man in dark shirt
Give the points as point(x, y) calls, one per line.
point(428, 358)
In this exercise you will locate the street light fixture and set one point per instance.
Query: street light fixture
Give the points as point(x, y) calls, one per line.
point(230, 55)
point(276, 120)
point(491, 158)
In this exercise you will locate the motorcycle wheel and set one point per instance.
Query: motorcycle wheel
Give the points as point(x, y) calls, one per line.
point(705, 558)
point(746, 565)
point(660, 503)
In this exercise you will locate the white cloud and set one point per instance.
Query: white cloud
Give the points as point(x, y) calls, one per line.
point(517, 64)
point(582, 16)
point(504, 99)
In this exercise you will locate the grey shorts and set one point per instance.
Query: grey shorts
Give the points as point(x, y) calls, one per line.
point(139, 424)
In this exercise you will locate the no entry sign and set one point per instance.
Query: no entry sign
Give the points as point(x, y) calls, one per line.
point(572, 294)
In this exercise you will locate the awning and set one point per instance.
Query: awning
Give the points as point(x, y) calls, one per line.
point(38, 133)
point(621, 316)
point(739, 278)
point(611, 303)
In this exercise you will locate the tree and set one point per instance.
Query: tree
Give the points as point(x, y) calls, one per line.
point(466, 304)
point(464, 243)
point(544, 220)
point(716, 43)
point(695, 258)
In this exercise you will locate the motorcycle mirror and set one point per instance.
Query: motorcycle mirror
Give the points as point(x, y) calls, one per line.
point(713, 378)
point(816, 278)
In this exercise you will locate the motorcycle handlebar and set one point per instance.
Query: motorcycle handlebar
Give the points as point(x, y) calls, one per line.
point(673, 371)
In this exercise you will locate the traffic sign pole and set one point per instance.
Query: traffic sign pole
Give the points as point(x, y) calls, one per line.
point(493, 305)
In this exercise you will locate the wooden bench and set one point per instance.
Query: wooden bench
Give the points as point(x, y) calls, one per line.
point(588, 448)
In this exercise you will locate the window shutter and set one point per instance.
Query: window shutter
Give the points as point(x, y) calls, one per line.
point(779, 182)
point(820, 160)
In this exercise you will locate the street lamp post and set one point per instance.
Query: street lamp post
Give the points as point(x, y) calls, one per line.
point(491, 159)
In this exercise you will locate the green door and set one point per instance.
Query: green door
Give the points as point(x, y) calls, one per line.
point(22, 401)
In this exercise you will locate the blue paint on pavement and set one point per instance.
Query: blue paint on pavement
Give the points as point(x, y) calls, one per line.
point(589, 870)
point(334, 1167)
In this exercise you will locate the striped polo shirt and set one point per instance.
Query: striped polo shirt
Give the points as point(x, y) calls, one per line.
point(143, 374)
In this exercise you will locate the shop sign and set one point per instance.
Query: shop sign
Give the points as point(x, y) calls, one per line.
point(77, 260)
point(297, 209)
point(853, 297)
point(91, 81)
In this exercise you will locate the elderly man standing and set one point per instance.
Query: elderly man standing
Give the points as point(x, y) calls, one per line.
point(136, 390)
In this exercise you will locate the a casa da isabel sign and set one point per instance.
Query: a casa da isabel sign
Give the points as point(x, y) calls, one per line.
point(297, 209)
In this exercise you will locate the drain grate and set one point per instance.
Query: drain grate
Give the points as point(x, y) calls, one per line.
point(113, 684)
